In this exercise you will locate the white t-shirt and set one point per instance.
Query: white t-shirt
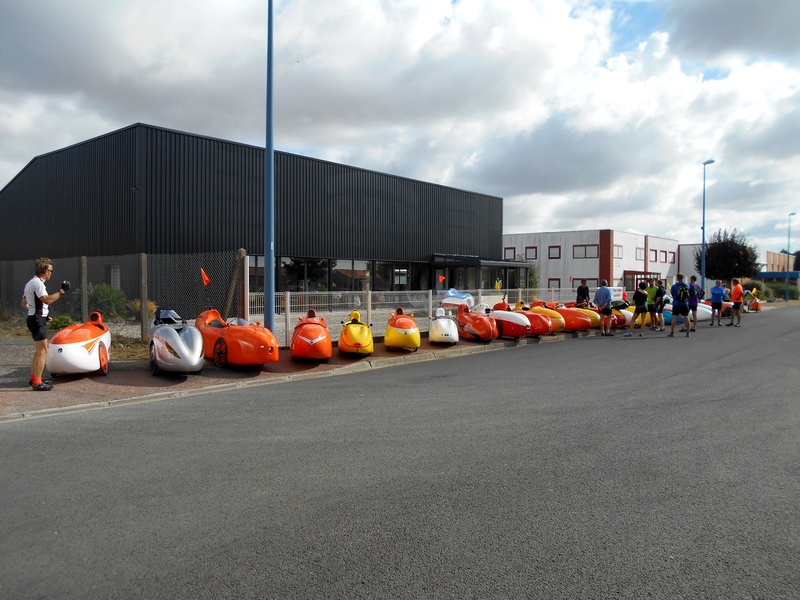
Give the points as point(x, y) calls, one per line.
point(34, 290)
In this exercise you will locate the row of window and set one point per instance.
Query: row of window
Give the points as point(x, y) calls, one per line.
point(587, 251)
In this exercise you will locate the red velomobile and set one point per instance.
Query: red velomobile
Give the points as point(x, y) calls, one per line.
point(236, 344)
point(475, 325)
point(311, 339)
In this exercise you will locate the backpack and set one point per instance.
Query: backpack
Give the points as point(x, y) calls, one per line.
point(683, 293)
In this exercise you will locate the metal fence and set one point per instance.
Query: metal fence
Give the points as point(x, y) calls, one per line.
point(115, 285)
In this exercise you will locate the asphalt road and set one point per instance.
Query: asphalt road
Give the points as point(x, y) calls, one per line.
point(592, 468)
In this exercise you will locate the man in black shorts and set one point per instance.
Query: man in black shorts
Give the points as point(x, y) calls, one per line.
point(37, 301)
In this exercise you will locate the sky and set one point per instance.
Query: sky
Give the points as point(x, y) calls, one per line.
point(580, 114)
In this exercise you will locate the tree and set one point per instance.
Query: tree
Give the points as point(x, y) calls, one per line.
point(533, 272)
point(728, 255)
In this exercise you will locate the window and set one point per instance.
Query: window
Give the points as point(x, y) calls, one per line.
point(617, 251)
point(531, 252)
point(653, 255)
point(663, 256)
point(554, 252)
point(672, 258)
point(554, 284)
point(509, 253)
point(584, 251)
point(640, 254)
point(115, 277)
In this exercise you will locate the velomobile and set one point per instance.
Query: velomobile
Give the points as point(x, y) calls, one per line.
point(453, 298)
point(175, 345)
point(311, 339)
point(509, 324)
point(555, 317)
point(540, 324)
point(574, 319)
point(356, 336)
point(475, 325)
point(241, 343)
point(442, 328)
point(402, 331)
point(80, 348)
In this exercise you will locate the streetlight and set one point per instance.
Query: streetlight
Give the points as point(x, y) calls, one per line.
point(789, 253)
point(703, 249)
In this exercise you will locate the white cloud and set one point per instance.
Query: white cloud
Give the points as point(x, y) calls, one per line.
point(520, 98)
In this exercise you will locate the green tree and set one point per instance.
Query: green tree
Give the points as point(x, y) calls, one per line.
point(729, 254)
point(533, 273)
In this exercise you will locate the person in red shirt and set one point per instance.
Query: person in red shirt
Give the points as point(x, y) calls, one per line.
point(737, 297)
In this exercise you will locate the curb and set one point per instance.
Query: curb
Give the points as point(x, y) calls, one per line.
point(355, 367)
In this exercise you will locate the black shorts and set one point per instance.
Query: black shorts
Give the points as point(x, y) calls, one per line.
point(716, 305)
point(737, 305)
point(641, 309)
point(606, 311)
point(651, 308)
point(680, 311)
point(37, 325)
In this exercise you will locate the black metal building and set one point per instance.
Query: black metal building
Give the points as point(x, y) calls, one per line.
point(145, 189)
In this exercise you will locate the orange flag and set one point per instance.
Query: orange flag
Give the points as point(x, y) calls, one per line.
point(206, 278)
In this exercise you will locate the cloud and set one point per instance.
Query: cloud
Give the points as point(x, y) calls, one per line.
point(580, 114)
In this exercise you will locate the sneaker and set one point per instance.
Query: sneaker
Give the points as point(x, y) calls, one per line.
point(30, 381)
point(641, 335)
point(611, 333)
point(712, 323)
point(688, 335)
point(737, 325)
point(662, 329)
point(43, 386)
point(719, 323)
point(728, 324)
point(670, 335)
point(629, 334)
point(693, 329)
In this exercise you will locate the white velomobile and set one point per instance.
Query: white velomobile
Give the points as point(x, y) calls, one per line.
point(442, 329)
point(80, 348)
point(175, 345)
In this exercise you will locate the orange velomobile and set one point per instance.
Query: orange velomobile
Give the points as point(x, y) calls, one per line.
point(558, 320)
point(475, 325)
point(574, 319)
point(236, 344)
point(540, 324)
point(80, 348)
point(311, 339)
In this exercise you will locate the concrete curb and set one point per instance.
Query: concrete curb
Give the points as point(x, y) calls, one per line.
point(356, 367)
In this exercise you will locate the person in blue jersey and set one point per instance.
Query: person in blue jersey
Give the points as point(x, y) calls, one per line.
point(602, 299)
point(680, 305)
point(717, 297)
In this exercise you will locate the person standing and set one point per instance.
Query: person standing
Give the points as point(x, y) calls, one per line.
point(680, 305)
point(651, 290)
point(717, 297)
point(582, 300)
point(661, 293)
point(640, 301)
point(37, 301)
point(602, 299)
point(695, 294)
point(737, 297)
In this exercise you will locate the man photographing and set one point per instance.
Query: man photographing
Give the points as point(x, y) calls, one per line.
point(37, 301)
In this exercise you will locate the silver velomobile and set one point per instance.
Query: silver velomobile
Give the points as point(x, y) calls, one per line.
point(175, 345)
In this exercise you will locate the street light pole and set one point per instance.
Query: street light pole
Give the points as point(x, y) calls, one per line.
point(703, 248)
point(789, 253)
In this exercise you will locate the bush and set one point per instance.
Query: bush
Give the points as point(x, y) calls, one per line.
point(111, 303)
point(60, 321)
point(135, 306)
point(778, 289)
point(763, 291)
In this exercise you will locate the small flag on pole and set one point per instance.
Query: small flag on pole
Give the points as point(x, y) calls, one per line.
point(497, 284)
point(441, 278)
point(206, 278)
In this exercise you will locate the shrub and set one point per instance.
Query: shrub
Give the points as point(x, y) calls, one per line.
point(135, 306)
point(763, 292)
point(106, 300)
point(60, 321)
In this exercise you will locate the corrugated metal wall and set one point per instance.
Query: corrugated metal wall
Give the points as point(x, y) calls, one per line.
point(153, 190)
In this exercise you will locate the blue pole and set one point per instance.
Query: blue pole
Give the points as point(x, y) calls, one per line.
point(703, 249)
point(269, 194)
point(789, 264)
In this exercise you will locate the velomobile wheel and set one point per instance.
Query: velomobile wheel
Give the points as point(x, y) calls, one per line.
point(103, 355)
point(220, 353)
point(153, 363)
